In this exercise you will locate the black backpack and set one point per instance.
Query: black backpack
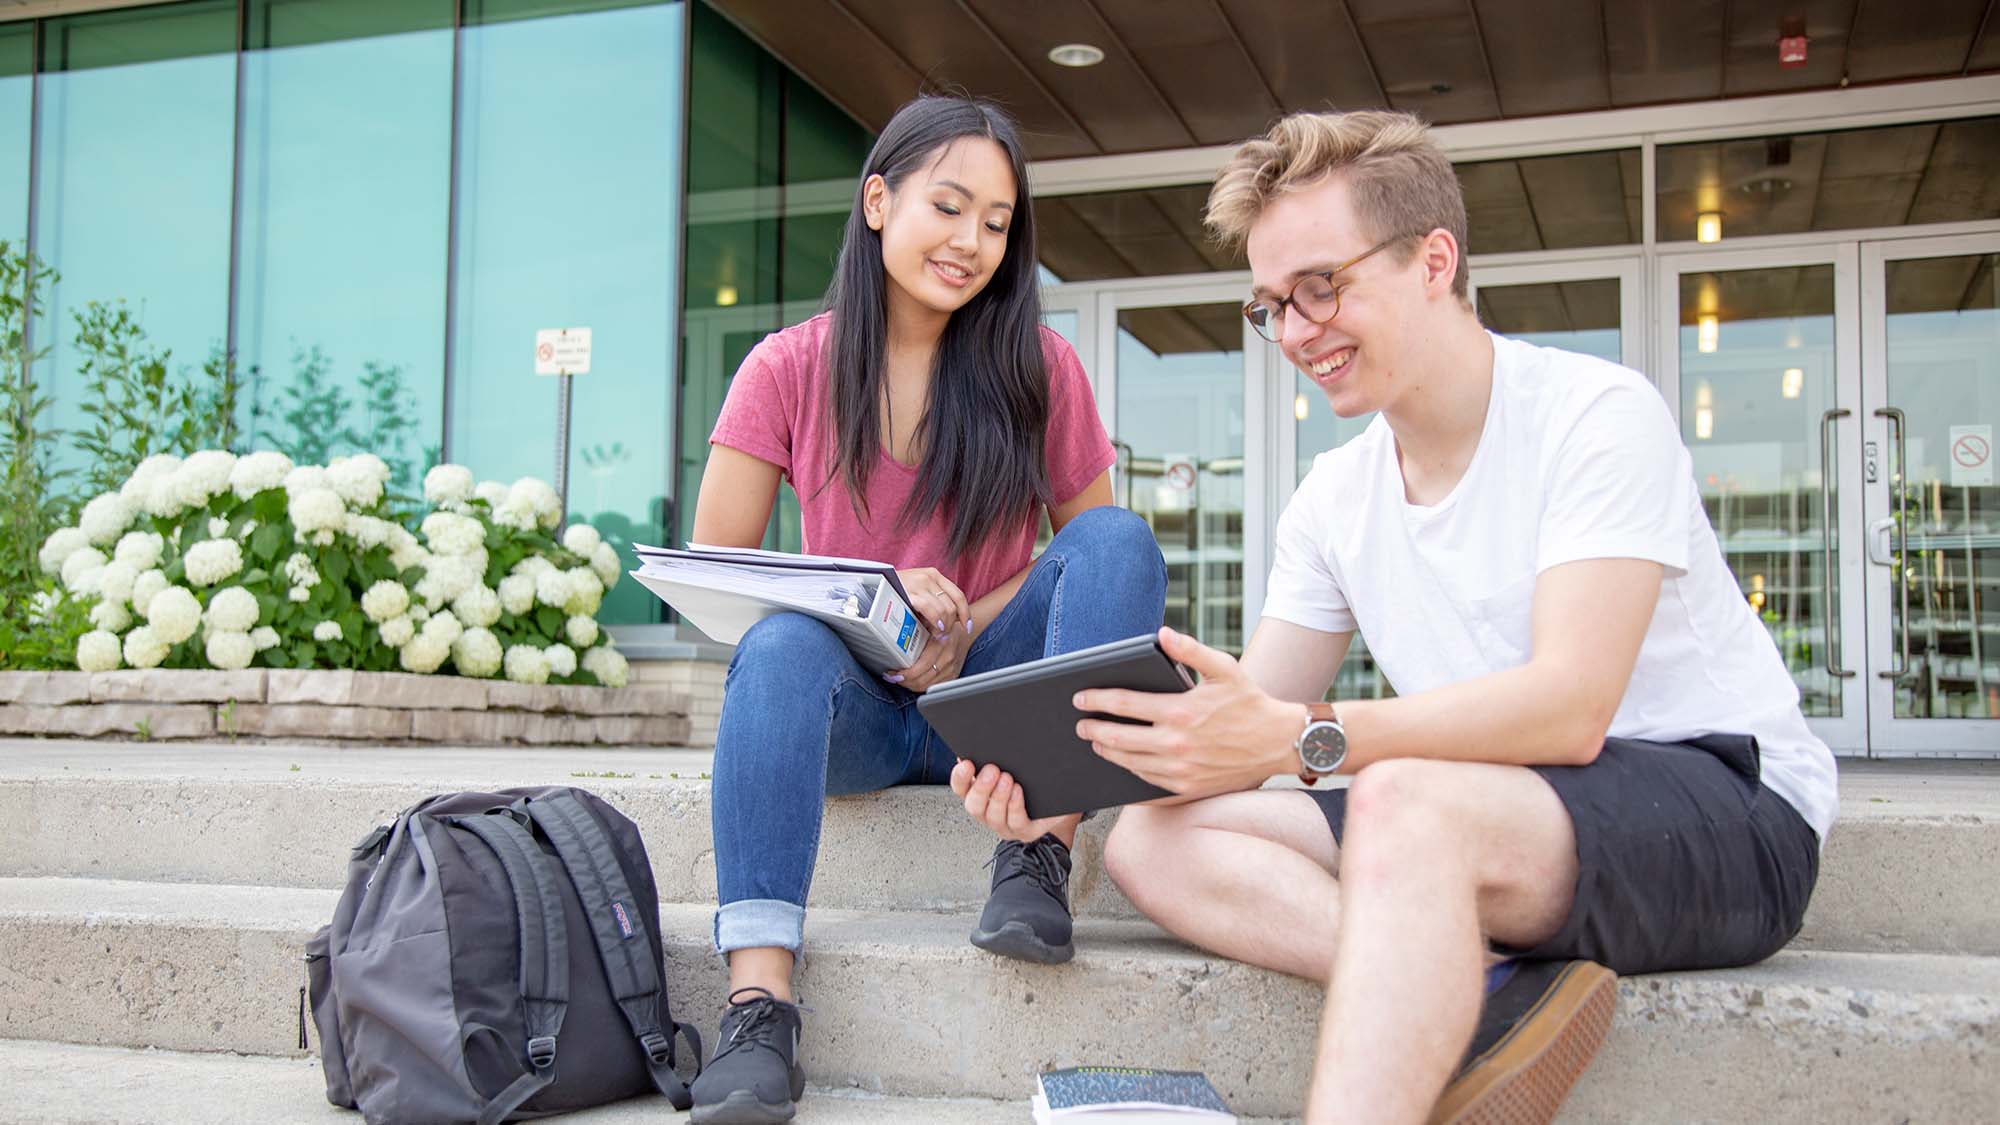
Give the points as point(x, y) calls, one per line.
point(495, 957)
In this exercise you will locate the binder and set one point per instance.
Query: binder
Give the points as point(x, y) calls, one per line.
point(725, 590)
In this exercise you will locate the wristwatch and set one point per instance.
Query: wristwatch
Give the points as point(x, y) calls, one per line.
point(1322, 746)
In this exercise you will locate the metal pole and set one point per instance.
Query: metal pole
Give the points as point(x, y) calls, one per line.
point(562, 443)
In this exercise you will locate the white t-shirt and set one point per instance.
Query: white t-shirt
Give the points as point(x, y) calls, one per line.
point(1579, 459)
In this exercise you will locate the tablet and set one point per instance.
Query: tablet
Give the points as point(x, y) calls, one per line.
point(1020, 718)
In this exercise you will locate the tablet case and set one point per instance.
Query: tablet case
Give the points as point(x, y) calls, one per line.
point(1020, 718)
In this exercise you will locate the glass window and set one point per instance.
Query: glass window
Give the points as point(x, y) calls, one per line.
point(771, 174)
point(1552, 202)
point(17, 46)
point(1577, 316)
point(569, 188)
point(137, 146)
point(345, 191)
point(1320, 429)
point(1931, 172)
point(1146, 233)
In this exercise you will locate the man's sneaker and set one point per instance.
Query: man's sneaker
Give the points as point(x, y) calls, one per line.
point(1027, 914)
point(755, 1076)
point(1541, 1025)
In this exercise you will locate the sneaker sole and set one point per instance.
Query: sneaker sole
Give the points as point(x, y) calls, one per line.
point(1018, 940)
point(1526, 1076)
point(742, 1107)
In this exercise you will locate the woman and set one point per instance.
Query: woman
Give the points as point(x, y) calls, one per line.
point(925, 419)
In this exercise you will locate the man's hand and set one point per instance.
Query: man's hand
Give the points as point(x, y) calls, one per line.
point(1225, 735)
point(992, 799)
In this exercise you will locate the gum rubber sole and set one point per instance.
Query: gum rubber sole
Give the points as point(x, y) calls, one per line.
point(742, 1107)
point(1018, 940)
point(1525, 1077)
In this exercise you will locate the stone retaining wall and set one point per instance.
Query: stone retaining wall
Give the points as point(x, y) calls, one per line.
point(375, 707)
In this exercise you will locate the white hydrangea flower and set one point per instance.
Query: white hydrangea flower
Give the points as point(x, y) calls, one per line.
point(476, 652)
point(609, 567)
point(526, 664)
point(404, 550)
point(255, 472)
point(491, 491)
point(217, 527)
point(445, 578)
point(586, 592)
point(115, 584)
point(608, 665)
point(42, 605)
point(89, 583)
point(300, 571)
point(150, 488)
point(448, 533)
point(326, 631)
point(298, 594)
point(305, 478)
point(144, 648)
point(443, 625)
point(397, 631)
point(232, 609)
point(140, 548)
point(369, 532)
point(174, 613)
point(479, 605)
point(317, 515)
point(230, 651)
point(544, 498)
point(212, 560)
point(79, 561)
point(359, 479)
point(448, 484)
point(105, 518)
point(385, 599)
point(517, 594)
point(515, 512)
point(561, 658)
point(533, 566)
point(203, 475)
point(98, 651)
point(245, 531)
point(581, 631)
point(59, 546)
point(419, 613)
point(581, 539)
point(424, 654)
point(553, 587)
point(149, 583)
point(112, 617)
point(264, 637)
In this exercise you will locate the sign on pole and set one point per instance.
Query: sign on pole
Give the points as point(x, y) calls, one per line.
point(562, 351)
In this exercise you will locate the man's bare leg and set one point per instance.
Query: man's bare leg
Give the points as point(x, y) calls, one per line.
point(1437, 857)
point(1245, 875)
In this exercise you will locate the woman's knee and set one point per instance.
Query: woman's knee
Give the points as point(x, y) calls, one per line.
point(1118, 539)
point(785, 644)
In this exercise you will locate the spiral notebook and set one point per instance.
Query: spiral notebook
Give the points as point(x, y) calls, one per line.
point(1128, 1095)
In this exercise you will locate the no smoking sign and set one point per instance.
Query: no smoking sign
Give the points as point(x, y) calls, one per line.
point(1971, 456)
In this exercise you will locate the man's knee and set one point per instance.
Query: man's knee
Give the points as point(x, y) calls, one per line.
point(1399, 811)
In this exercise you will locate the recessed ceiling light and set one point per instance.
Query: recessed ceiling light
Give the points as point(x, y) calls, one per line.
point(1076, 54)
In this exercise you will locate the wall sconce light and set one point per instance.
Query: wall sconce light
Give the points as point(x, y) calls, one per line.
point(725, 295)
point(1708, 226)
point(1704, 423)
point(1300, 408)
point(1794, 381)
point(1707, 331)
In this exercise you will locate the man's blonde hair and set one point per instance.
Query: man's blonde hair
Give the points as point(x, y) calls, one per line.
point(1399, 179)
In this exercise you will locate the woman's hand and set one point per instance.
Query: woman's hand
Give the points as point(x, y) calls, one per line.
point(938, 602)
point(992, 799)
point(942, 659)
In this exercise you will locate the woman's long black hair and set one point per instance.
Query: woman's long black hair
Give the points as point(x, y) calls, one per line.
point(983, 429)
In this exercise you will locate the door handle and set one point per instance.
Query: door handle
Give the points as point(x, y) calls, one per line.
point(1829, 563)
point(1900, 519)
point(1879, 538)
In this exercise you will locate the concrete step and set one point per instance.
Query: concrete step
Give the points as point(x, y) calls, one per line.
point(903, 1005)
point(1894, 876)
point(61, 1083)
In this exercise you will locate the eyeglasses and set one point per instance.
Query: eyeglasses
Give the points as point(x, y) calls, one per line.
point(1314, 295)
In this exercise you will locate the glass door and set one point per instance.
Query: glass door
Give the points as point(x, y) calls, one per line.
point(1931, 389)
point(1186, 420)
point(1758, 359)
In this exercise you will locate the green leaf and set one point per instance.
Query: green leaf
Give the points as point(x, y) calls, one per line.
point(334, 567)
point(253, 576)
point(548, 619)
point(269, 506)
point(265, 541)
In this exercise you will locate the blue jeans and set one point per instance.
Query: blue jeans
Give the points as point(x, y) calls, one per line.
point(802, 720)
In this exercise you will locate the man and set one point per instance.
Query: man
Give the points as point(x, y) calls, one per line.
point(1594, 761)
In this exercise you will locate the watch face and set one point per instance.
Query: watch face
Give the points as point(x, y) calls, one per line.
point(1323, 747)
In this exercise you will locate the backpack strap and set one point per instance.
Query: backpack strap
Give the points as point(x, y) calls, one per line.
point(621, 933)
point(544, 956)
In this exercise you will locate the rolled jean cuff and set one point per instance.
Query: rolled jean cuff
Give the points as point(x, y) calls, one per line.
point(758, 923)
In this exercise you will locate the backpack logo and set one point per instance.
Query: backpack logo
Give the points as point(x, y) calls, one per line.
point(625, 926)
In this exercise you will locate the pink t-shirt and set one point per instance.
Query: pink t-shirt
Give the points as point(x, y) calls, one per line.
point(775, 412)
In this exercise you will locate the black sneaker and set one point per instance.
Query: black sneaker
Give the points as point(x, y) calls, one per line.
point(1027, 914)
point(1542, 1023)
point(755, 1076)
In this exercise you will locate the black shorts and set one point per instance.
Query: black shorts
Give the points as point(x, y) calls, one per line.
point(1685, 860)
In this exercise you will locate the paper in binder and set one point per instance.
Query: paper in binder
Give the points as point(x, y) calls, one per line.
point(725, 590)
